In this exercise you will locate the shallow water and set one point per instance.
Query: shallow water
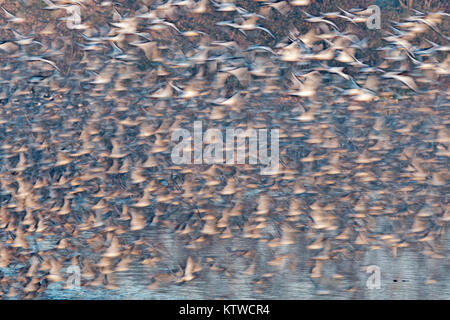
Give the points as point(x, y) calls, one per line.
point(402, 277)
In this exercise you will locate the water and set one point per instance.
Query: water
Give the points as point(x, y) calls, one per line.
point(402, 277)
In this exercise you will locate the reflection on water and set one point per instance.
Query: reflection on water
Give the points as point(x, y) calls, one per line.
point(403, 277)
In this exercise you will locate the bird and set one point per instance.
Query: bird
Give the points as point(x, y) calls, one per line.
point(37, 58)
point(408, 81)
point(12, 18)
point(318, 19)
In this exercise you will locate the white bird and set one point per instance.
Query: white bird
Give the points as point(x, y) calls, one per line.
point(314, 19)
point(12, 18)
point(159, 22)
point(246, 25)
point(336, 70)
point(234, 100)
point(308, 87)
point(299, 3)
point(36, 58)
point(228, 7)
point(165, 92)
point(281, 6)
point(408, 81)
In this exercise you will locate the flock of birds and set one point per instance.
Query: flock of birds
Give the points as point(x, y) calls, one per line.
point(88, 107)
